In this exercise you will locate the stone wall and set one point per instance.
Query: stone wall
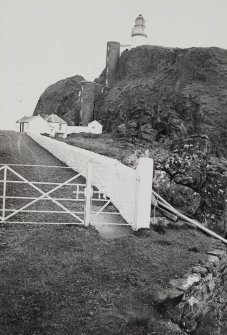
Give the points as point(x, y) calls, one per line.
point(196, 302)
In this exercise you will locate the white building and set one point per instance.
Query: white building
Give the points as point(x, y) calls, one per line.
point(57, 124)
point(95, 127)
point(33, 123)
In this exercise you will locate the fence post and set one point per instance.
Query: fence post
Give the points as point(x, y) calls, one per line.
point(88, 195)
point(143, 196)
point(4, 192)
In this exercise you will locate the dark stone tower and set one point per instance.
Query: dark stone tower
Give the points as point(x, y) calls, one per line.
point(112, 61)
point(87, 100)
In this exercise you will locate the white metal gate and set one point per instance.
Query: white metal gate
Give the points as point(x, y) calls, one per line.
point(103, 211)
point(45, 194)
point(46, 200)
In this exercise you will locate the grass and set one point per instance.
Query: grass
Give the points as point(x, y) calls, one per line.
point(103, 144)
point(68, 280)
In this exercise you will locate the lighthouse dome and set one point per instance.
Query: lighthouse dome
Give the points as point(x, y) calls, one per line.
point(139, 27)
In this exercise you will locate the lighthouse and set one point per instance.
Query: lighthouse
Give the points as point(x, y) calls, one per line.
point(138, 35)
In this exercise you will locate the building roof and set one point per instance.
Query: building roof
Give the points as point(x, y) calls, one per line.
point(53, 118)
point(95, 123)
point(27, 118)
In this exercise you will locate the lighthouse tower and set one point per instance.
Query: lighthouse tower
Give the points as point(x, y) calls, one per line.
point(138, 35)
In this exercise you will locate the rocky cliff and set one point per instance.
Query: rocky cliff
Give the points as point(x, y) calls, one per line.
point(61, 98)
point(162, 94)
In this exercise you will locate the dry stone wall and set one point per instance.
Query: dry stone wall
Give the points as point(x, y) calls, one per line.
point(199, 297)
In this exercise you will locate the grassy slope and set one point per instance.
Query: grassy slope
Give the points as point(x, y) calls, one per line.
point(67, 280)
point(113, 146)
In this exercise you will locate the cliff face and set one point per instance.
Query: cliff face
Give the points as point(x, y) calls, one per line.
point(61, 98)
point(162, 94)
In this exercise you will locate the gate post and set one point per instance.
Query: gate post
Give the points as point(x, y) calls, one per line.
point(143, 196)
point(88, 195)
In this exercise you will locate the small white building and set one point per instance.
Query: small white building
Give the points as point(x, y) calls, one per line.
point(95, 127)
point(57, 124)
point(33, 123)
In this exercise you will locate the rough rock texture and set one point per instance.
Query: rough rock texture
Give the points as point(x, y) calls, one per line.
point(194, 182)
point(196, 302)
point(62, 98)
point(163, 93)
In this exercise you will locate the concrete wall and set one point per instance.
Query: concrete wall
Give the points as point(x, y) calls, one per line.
point(138, 40)
point(89, 129)
point(87, 100)
point(39, 125)
point(95, 128)
point(112, 62)
point(58, 127)
point(116, 180)
point(77, 129)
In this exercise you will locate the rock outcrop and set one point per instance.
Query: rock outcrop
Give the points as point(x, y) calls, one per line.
point(193, 181)
point(162, 94)
point(62, 98)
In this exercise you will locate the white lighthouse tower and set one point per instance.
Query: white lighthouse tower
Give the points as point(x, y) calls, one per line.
point(138, 35)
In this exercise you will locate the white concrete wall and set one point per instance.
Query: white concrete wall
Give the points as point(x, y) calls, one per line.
point(81, 129)
point(116, 180)
point(26, 125)
point(17, 127)
point(77, 129)
point(138, 40)
point(95, 128)
point(39, 125)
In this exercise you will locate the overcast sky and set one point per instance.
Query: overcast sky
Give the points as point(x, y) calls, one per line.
point(43, 41)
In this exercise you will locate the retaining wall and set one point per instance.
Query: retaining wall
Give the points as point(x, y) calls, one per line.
point(114, 179)
point(197, 301)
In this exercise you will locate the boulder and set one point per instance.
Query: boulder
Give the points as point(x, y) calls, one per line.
point(193, 181)
point(148, 133)
point(181, 197)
